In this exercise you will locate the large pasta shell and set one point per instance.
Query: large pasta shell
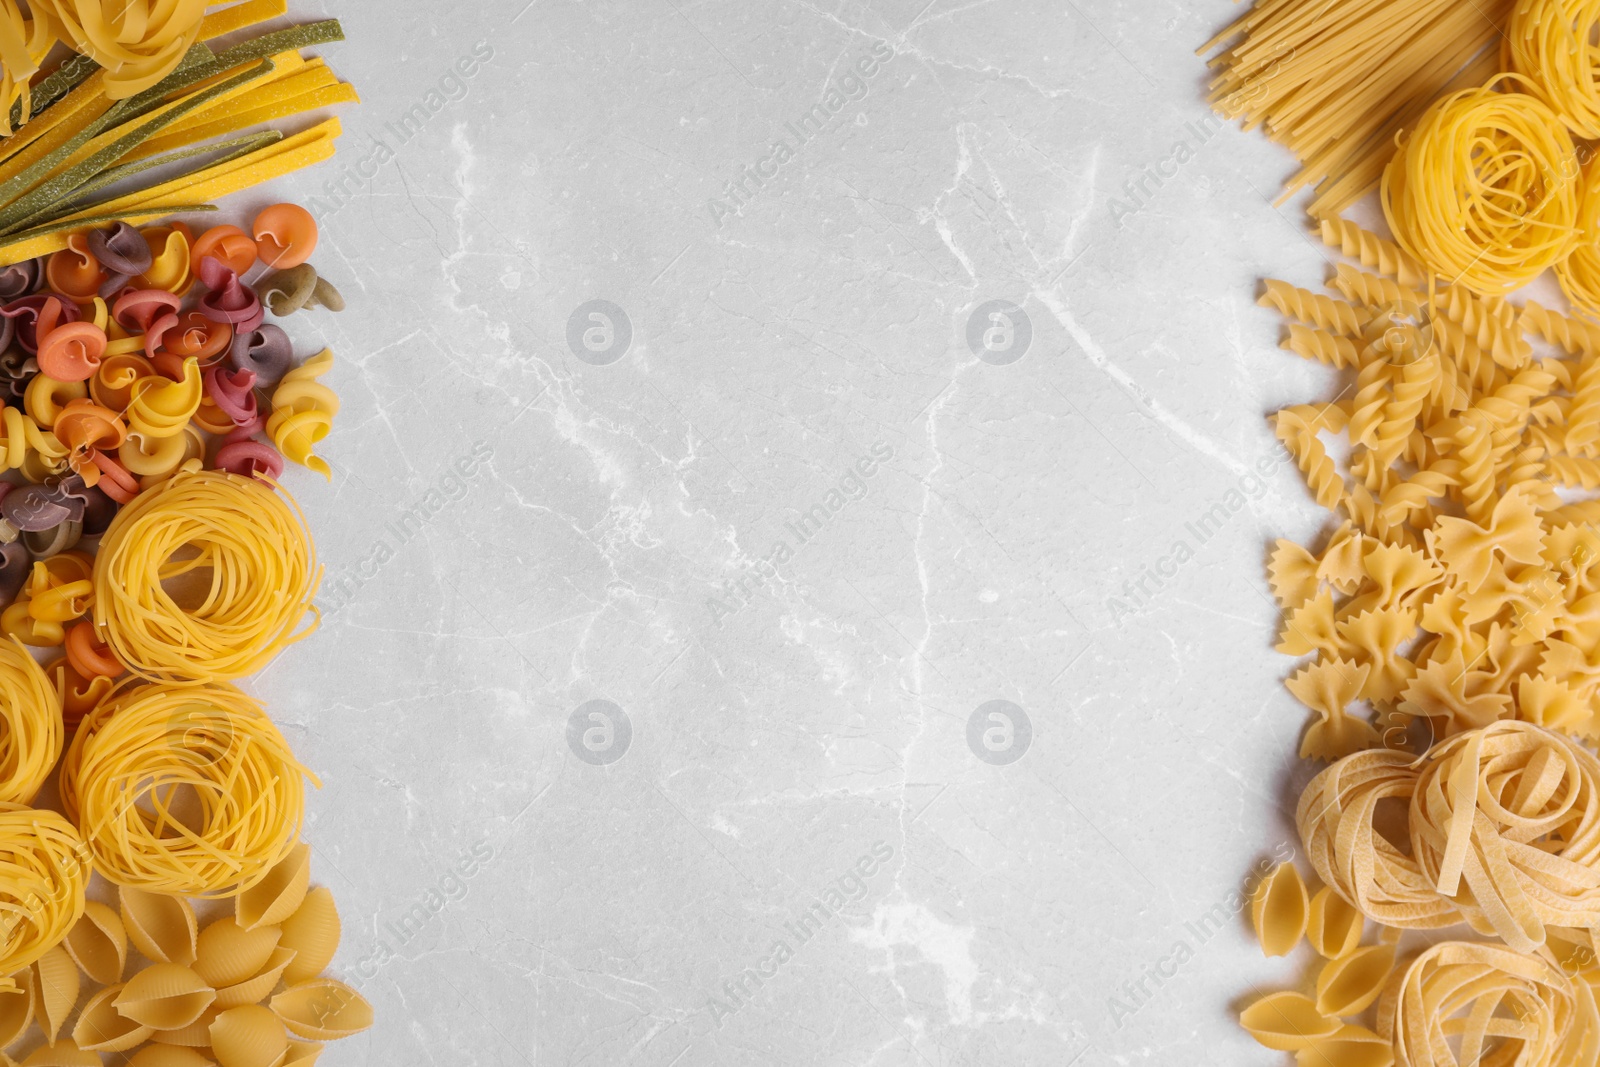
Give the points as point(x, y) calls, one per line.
point(160, 926)
point(101, 1028)
point(165, 996)
point(254, 990)
point(98, 943)
point(196, 1035)
point(16, 1007)
point(313, 932)
point(250, 1036)
point(56, 978)
point(275, 897)
point(1333, 926)
point(61, 1054)
point(323, 1009)
point(227, 953)
point(1286, 1021)
point(1350, 1046)
point(1279, 909)
point(1350, 983)
point(302, 1054)
point(169, 1056)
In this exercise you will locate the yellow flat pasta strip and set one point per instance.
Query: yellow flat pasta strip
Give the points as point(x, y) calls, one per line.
point(338, 93)
point(237, 17)
point(299, 75)
point(192, 187)
point(72, 122)
point(245, 177)
point(69, 107)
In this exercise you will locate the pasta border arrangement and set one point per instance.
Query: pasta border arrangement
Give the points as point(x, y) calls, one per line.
point(1448, 619)
point(160, 905)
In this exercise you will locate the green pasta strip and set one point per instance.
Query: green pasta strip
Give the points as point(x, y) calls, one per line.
point(92, 221)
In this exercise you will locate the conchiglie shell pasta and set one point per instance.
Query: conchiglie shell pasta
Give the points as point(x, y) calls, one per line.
point(250, 1036)
point(275, 897)
point(61, 1054)
point(302, 1054)
point(98, 944)
point(165, 996)
point(323, 1009)
point(1332, 926)
point(16, 1008)
point(313, 933)
point(1279, 908)
point(57, 981)
point(101, 1028)
point(1286, 1021)
point(255, 989)
point(169, 1056)
point(228, 953)
point(196, 1035)
point(1349, 984)
point(160, 926)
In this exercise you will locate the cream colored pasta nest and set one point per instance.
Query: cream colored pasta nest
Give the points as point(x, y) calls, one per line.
point(186, 789)
point(1460, 1004)
point(30, 724)
point(205, 578)
point(1503, 825)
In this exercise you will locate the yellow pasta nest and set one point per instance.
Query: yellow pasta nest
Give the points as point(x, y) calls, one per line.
point(43, 876)
point(1485, 190)
point(139, 42)
point(186, 789)
point(1504, 833)
point(30, 724)
point(1579, 273)
point(1552, 43)
point(1491, 1004)
point(205, 577)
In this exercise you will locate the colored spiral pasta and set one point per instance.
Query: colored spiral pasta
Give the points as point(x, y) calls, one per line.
point(1484, 191)
point(186, 789)
point(302, 412)
point(245, 558)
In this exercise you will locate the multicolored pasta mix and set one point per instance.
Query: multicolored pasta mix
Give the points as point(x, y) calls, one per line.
point(1449, 617)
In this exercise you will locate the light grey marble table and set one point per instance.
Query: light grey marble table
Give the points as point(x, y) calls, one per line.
point(795, 555)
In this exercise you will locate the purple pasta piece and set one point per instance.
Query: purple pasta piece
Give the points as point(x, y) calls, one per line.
point(36, 507)
point(249, 458)
point(266, 350)
point(17, 369)
point(229, 300)
point(233, 392)
point(21, 279)
point(15, 565)
point(113, 285)
point(121, 249)
point(23, 313)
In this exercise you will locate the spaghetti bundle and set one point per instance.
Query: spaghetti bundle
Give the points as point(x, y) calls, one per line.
point(1552, 43)
point(204, 578)
point(30, 724)
point(186, 789)
point(1335, 81)
point(1485, 190)
point(43, 876)
point(1579, 273)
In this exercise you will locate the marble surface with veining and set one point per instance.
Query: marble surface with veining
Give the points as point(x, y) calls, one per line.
point(795, 585)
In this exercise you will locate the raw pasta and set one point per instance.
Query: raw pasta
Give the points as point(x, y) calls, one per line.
point(243, 541)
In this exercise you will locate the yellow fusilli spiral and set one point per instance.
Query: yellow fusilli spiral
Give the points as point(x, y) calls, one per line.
point(1485, 190)
point(1310, 342)
point(1297, 428)
point(139, 42)
point(1574, 336)
point(188, 790)
point(1374, 252)
point(1583, 418)
point(1313, 309)
point(302, 412)
point(44, 872)
point(205, 577)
